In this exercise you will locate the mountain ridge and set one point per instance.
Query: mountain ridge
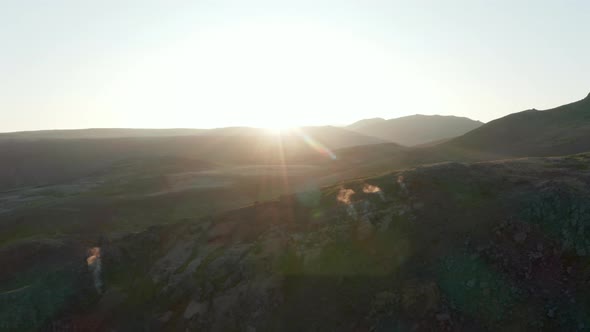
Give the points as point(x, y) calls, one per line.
point(415, 129)
point(560, 130)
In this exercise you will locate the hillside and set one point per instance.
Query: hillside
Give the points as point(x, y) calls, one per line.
point(95, 133)
point(99, 133)
point(415, 129)
point(336, 137)
point(558, 131)
point(453, 247)
point(33, 162)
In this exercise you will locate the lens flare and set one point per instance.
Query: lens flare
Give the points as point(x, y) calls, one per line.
point(95, 265)
point(370, 189)
point(400, 181)
point(344, 195)
point(315, 144)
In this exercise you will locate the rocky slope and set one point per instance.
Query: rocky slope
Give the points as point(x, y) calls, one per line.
point(452, 246)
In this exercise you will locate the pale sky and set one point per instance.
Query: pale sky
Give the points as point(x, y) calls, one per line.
point(203, 64)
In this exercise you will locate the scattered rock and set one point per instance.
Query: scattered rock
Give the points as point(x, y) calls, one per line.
point(520, 237)
point(166, 316)
point(195, 308)
point(551, 312)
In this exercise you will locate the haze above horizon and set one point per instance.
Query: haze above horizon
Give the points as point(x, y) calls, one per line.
point(207, 64)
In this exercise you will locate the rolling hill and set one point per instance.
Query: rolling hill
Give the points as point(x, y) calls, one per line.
point(95, 133)
point(30, 160)
point(415, 129)
point(558, 131)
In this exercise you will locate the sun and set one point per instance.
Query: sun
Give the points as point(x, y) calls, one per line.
point(278, 75)
point(279, 130)
point(276, 127)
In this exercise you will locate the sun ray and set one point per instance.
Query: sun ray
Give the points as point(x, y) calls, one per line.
point(315, 144)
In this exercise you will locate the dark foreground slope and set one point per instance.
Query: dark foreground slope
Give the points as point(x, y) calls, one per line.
point(459, 247)
point(415, 129)
point(559, 131)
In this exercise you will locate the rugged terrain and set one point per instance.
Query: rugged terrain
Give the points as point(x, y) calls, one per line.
point(244, 231)
point(451, 246)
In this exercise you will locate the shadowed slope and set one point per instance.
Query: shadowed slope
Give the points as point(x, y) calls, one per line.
point(559, 131)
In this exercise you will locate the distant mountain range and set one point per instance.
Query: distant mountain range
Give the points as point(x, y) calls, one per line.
point(95, 133)
point(42, 157)
point(39, 158)
point(555, 132)
point(408, 130)
point(334, 137)
point(415, 129)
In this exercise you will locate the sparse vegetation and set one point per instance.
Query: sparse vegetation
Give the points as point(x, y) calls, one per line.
point(233, 243)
